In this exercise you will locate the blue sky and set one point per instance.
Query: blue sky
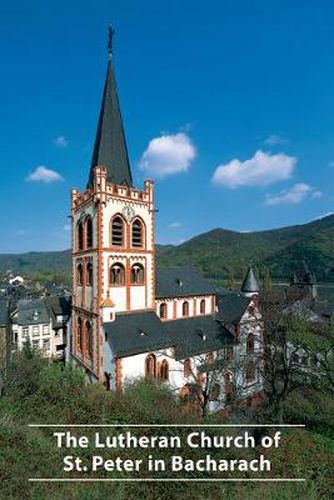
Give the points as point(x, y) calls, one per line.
point(227, 104)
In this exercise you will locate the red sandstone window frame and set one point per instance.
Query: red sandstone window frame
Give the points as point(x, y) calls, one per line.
point(142, 235)
point(79, 333)
point(79, 274)
point(163, 310)
point(112, 232)
point(120, 266)
point(164, 371)
point(80, 236)
point(185, 309)
point(89, 339)
point(88, 233)
point(89, 274)
point(137, 274)
point(150, 366)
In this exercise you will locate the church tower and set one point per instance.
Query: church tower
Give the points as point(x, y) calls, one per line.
point(113, 254)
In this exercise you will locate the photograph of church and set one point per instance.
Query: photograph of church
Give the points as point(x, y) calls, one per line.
point(132, 319)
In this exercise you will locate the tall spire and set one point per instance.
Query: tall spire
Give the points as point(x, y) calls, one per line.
point(110, 148)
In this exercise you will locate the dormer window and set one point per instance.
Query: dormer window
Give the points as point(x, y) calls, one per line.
point(179, 282)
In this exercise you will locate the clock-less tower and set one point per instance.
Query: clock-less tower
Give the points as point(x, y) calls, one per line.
point(112, 238)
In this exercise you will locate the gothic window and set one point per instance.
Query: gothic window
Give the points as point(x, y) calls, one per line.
point(89, 274)
point(89, 233)
point(79, 333)
point(150, 366)
point(89, 339)
point(137, 274)
point(137, 233)
point(202, 306)
point(229, 389)
point(250, 372)
point(185, 309)
point(80, 236)
point(163, 310)
point(215, 392)
point(164, 370)
point(79, 275)
point(117, 232)
point(250, 344)
point(117, 275)
point(229, 353)
point(187, 368)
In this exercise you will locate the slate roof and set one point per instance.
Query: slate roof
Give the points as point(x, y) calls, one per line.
point(133, 333)
point(193, 336)
point(110, 148)
point(59, 306)
point(231, 307)
point(181, 282)
point(3, 312)
point(250, 283)
point(26, 312)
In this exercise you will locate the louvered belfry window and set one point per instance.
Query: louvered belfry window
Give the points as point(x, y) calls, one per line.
point(137, 234)
point(117, 232)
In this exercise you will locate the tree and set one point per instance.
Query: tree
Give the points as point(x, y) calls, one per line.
point(266, 282)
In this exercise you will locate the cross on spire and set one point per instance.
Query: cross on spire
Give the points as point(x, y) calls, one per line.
point(111, 33)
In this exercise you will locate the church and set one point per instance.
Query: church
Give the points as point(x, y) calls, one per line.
point(131, 319)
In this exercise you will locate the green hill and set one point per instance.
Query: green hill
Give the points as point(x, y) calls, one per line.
point(219, 252)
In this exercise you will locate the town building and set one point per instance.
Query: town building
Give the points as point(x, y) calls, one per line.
point(42, 322)
point(131, 319)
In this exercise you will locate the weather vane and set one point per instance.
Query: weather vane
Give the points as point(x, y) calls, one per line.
point(111, 32)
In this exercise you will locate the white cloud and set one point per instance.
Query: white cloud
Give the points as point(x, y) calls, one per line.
point(43, 174)
point(274, 140)
point(168, 155)
point(261, 170)
point(175, 225)
point(296, 194)
point(61, 141)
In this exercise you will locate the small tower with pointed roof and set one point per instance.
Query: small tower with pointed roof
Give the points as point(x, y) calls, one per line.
point(250, 285)
point(112, 236)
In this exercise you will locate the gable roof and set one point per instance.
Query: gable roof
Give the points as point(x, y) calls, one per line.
point(231, 307)
point(110, 148)
point(135, 333)
point(198, 335)
point(181, 282)
point(31, 312)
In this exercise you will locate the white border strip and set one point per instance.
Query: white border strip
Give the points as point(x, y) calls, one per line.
point(161, 480)
point(166, 425)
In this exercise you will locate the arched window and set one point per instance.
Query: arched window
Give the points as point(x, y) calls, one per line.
point(137, 233)
point(202, 306)
point(80, 236)
point(250, 344)
point(89, 274)
point(79, 275)
point(117, 232)
point(163, 310)
point(164, 370)
point(215, 392)
point(117, 274)
point(229, 388)
point(137, 274)
point(79, 334)
point(89, 339)
point(150, 366)
point(89, 233)
point(185, 309)
point(187, 367)
point(250, 372)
